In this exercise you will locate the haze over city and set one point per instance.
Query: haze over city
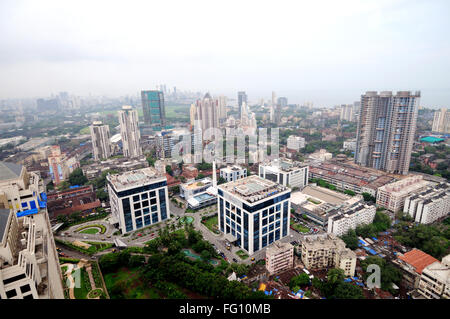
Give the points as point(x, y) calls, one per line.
point(297, 49)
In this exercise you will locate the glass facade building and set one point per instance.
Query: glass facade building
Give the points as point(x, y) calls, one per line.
point(154, 109)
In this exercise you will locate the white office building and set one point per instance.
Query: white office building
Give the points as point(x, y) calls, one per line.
point(285, 172)
point(129, 130)
point(233, 173)
point(295, 142)
point(253, 212)
point(138, 198)
point(429, 205)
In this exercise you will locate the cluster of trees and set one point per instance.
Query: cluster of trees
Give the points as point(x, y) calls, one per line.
point(389, 273)
point(369, 198)
point(441, 152)
point(77, 177)
point(334, 286)
point(431, 239)
point(299, 281)
point(169, 269)
point(381, 222)
point(77, 217)
point(203, 166)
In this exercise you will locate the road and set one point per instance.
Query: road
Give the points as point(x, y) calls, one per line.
point(218, 240)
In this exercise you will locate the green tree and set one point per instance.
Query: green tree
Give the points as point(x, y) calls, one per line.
point(300, 280)
point(77, 177)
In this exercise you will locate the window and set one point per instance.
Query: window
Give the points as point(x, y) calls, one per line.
point(144, 196)
point(137, 213)
point(145, 203)
point(137, 205)
point(11, 293)
point(136, 198)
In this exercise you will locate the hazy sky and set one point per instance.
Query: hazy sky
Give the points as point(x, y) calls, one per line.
point(328, 52)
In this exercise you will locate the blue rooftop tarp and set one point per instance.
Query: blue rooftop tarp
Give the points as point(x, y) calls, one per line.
point(373, 252)
point(355, 278)
point(374, 238)
point(360, 284)
point(27, 212)
point(42, 204)
point(74, 186)
point(44, 196)
point(348, 280)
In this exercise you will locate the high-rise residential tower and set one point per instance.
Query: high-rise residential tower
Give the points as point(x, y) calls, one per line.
point(129, 130)
point(207, 112)
point(242, 97)
point(101, 144)
point(154, 109)
point(441, 121)
point(386, 128)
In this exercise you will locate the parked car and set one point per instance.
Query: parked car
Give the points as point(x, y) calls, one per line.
point(235, 260)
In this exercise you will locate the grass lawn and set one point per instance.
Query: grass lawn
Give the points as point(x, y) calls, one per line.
point(131, 279)
point(212, 223)
point(299, 227)
point(85, 287)
point(242, 254)
point(90, 231)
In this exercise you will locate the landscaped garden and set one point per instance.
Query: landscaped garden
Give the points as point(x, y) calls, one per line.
point(92, 229)
point(298, 227)
point(211, 223)
point(242, 254)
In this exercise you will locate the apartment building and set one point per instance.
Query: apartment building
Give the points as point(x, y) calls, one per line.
point(129, 130)
point(285, 172)
point(386, 128)
point(327, 251)
point(60, 164)
point(441, 121)
point(341, 220)
point(347, 112)
point(100, 137)
point(253, 212)
point(279, 257)
point(29, 266)
point(138, 198)
point(233, 173)
point(435, 280)
point(429, 205)
point(393, 196)
point(321, 155)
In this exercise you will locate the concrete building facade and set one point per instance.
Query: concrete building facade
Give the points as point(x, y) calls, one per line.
point(101, 145)
point(386, 128)
point(129, 130)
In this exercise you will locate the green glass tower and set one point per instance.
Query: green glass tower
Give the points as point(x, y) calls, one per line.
point(153, 109)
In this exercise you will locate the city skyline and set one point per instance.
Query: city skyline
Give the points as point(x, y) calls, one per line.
point(316, 55)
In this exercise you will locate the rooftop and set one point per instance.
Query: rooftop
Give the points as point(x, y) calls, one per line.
point(405, 186)
point(253, 188)
point(197, 184)
point(418, 259)
point(134, 178)
point(9, 170)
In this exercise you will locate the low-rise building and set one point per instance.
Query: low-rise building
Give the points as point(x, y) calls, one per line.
point(392, 196)
point(412, 264)
point(295, 143)
point(138, 198)
point(279, 257)
point(318, 202)
point(232, 173)
point(350, 145)
point(327, 251)
point(429, 205)
point(285, 172)
point(321, 155)
point(435, 280)
point(191, 188)
point(75, 199)
point(349, 176)
point(341, 220)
